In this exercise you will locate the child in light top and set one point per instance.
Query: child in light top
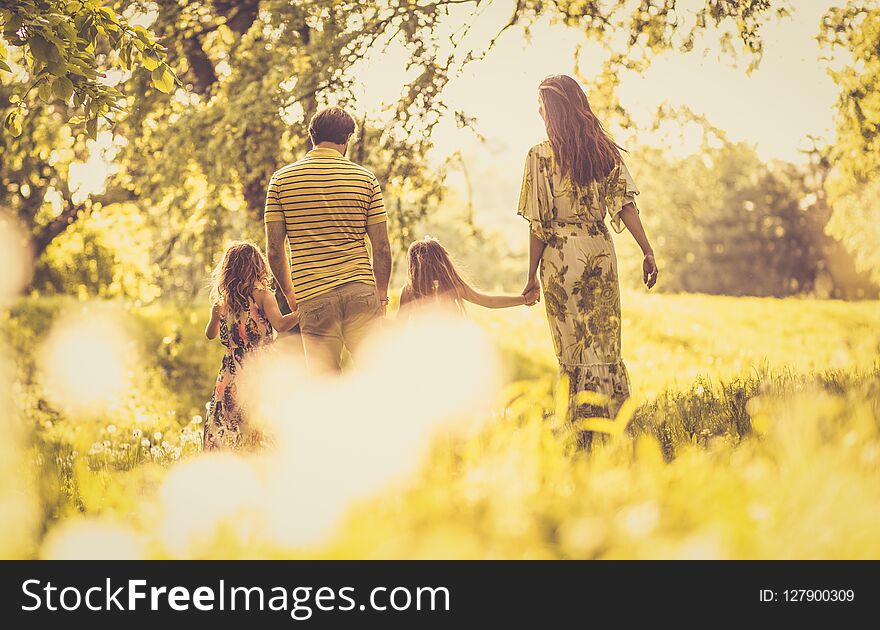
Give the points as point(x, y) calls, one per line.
point(433, 278)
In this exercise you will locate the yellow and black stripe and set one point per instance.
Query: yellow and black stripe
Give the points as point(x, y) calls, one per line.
point(326, 202)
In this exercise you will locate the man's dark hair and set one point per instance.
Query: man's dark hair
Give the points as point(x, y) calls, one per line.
point(332, 124)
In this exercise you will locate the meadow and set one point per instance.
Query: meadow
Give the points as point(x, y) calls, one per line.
point(754, 431)
point(138, 138)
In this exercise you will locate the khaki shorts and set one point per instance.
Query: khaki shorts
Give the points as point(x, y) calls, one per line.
point(340, 318)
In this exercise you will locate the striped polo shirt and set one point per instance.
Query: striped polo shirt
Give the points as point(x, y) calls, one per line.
point(326, 202)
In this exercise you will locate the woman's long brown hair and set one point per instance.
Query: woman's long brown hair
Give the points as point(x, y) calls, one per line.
point(432, 273)
point(242, 269)
point(583, 150)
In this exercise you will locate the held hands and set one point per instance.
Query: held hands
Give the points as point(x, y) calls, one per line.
point(649, 270)
point(383, 306)
point(291, 320)
point(532, 292)
point(290, 296)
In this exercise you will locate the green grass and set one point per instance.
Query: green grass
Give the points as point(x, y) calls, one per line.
point(670, 341)
point(757, 434)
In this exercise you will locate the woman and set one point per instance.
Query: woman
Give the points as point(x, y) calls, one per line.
point(570, 183)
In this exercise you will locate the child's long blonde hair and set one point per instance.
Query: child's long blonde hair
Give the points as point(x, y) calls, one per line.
point(432, 273)
point(242, 268)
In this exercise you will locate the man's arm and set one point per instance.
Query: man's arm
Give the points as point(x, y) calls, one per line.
point(276, 245)
point(378, 233)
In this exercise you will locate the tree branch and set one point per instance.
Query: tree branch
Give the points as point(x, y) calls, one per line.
point(201, 67)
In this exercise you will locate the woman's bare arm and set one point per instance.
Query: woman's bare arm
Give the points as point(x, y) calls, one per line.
point(630, 217)
point(532, 290)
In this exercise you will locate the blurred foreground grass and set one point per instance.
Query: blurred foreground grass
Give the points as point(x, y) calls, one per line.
point(757, 435)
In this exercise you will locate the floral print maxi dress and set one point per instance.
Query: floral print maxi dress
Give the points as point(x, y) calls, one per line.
point(579, 278)
point(242, 333)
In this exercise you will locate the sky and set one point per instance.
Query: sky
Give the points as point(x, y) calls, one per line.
point(775, 107)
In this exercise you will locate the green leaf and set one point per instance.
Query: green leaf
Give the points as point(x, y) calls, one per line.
point(150, 60)
point(57, 68)
point(142, 34)
point(82, 69)
point(53, 52)
point(4, 66)
point(163, 79)
point(108, 13)
point(63, 88)
point(92, 128)
point(13, 24)
point(13, 123)
point(45, 92)
point(39, 47)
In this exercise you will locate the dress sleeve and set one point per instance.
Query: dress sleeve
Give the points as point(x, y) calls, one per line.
point(621, 190)
point(535, 197)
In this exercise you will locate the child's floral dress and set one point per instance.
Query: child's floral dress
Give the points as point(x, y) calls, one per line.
point(242, 333)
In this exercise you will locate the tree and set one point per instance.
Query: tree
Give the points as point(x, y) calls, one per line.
point(853, 186)
point(65, 48)
point(55, 58)
point(729, 223)
point(34, 171)
point(252, 72)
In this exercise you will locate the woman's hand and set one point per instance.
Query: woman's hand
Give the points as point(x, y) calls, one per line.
point(532, 291)
point(649, 270)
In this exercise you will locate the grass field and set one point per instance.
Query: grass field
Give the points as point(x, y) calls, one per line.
point(669, 341)
point(755, 432)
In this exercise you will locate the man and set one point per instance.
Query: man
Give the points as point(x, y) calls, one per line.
point(324, 206)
